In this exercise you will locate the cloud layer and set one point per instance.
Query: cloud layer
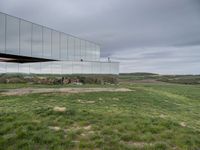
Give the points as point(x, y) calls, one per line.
point(144, 35)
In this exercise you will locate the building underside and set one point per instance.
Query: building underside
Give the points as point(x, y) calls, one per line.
point(21, 59)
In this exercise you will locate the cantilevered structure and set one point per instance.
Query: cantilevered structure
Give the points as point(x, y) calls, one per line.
point(26, 47)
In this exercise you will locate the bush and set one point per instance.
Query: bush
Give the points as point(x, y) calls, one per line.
point(58, 79)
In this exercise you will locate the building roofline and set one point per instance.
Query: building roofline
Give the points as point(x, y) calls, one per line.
point(51, 29)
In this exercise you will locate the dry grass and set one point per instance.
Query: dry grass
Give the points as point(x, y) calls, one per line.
point(25, 91)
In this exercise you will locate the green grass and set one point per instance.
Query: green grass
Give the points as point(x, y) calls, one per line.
point(152, 116)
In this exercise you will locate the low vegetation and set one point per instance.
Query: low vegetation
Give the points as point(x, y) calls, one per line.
point(58, 79)
point(155, 116)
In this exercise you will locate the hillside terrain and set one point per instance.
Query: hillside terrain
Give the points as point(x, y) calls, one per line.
point(151, 113)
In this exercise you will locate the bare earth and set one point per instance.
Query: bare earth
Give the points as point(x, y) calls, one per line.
point(23, 91)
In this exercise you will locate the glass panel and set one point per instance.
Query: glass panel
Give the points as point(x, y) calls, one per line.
point(37, 41)
point(77, 67)
point(24, 68)
point(116, 71)
point(56, 67)
point(2, 67)
point(114, 68)
point(12, 68)
point(93, 52)
point(47, 43)
point(105, 68)
point(71, 48)
point(98, 52)
point(25, 38)
point(96, 67)
point(87, 48)
point(63, 46)
point(77, 49)
point(67, 67)
point(55, 45)
point(46, 68)
point(2, 32)
point(83, 50)
point(111, 68)
point(12, 35)
point(86, 67)
point(35, 68)
point(89, 51)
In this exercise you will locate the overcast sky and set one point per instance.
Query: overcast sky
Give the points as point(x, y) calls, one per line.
point(161, 36)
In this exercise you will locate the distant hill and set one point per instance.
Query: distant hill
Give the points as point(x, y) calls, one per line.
point(139, 74)
point(152, 77)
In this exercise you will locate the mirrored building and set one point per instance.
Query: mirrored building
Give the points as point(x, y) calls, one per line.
point(26, 47)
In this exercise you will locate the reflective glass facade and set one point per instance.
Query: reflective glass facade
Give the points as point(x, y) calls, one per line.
point(69, 54)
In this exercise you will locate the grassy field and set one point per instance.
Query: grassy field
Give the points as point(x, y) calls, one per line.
point(151, 116)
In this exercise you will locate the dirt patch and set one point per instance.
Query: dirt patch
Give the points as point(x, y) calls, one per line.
point(36, 121)
point(162, 116)
point(24, 91)
point(87, 127)
point(115, 99)
point(136, 144)
point(74, 128)
point(85, 102)
point(55, 128)
point(141, 145)
point(84, 131)
point(183, 124)
point(59, 109)
point(100, 98)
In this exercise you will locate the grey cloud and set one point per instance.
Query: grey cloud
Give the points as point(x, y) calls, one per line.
point(144, 29)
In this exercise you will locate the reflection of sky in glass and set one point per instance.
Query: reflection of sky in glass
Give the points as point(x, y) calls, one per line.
point(29, 39)
point(56, 67)
point(37, 41)
point(2, 32)
point(105, 68)
point(96, 67)
point(35, 68)
point(55, 45)
point(20, 37)
point(46, 67)
point(63, 46)
point(82, 49)
point(24, 68)
point(71, 48)
point(12, 67)
point(25, 38)
point(46, 42)
point(77, 67)
point(61, 67)
point(2, 67)
point(67, 67)
point(87, 68)
point(12, 35)
point(77, 49)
